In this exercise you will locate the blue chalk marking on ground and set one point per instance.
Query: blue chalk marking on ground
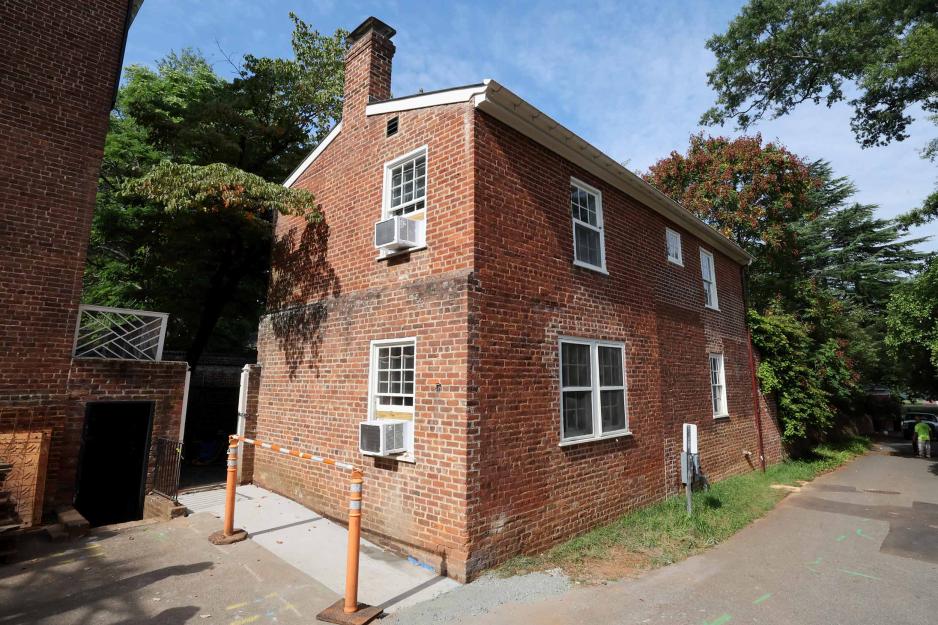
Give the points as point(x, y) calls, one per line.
point(422, 565)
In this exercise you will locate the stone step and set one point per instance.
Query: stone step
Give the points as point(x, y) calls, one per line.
point(56, 533)
point(75, 524)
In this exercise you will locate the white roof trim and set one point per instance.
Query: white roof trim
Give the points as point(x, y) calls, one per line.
point(510, 109)
point(313, 155)
point(449, 96)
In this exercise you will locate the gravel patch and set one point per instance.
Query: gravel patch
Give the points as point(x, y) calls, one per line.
point(481, 596)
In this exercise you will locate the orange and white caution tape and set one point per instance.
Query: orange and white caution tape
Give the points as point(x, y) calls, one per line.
point(291, 452)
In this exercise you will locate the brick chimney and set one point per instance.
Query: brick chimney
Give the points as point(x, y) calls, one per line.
point(367, 67)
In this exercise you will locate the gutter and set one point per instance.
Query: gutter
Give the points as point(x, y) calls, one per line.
point(133, 6)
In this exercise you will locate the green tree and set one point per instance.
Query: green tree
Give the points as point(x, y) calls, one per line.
point(912, 322)
point(756, 194)
point(219, 217)
point(263, 121)
point(823, 271)
point(881, 56)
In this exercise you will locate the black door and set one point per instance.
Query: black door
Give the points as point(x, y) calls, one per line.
point(113, 461)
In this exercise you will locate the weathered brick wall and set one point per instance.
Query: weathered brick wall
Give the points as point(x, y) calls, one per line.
point(93, 380)
point(330, 297)
point(529, 492)
point(60, 61)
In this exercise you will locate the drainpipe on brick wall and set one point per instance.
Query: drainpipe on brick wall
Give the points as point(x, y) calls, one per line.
point(242, 412)
point(757, 412)
point(185, 405)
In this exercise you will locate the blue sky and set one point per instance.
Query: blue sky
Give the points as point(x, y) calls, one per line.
point(630, 77)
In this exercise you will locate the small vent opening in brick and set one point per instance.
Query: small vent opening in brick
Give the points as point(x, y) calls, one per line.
point(392, 126)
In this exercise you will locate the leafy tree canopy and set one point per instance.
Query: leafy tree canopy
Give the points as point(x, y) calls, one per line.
point(183, 217)
point(777, 54)
point(913, 330)
point(824, 269)
point(881, 56)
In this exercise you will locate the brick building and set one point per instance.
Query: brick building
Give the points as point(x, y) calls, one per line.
point(61, 63)
point(549, 327)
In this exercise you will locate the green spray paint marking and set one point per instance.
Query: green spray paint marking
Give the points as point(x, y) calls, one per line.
point(725, 618)
point(841, 538)
point(811, 565)
point(860, 533)
point(857, 574)
point(762, 598)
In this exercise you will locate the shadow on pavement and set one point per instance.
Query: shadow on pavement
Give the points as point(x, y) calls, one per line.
point(911, 530)
point(47, 588)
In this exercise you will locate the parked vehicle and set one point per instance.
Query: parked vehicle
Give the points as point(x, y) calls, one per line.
point(908, 423)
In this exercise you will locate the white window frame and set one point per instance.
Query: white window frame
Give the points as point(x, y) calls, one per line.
point(389, 166)
point(718, 358)
point(595, 389)
point(420, 216)
point(601, 268)
point(670, 234)
point(710, 286)
point(407, 413)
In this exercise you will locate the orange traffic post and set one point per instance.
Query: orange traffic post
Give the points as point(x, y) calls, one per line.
point(229, 534)
point(352, 612)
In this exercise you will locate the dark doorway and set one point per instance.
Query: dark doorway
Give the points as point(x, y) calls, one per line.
point(112, 465)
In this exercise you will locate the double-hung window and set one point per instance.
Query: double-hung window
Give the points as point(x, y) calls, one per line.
point(718, 386)
point(673, 242)
point(405, 184)
point(391, 389)
point(586, 206)
point(708, 274)
point(393, 367)
point(592, 390)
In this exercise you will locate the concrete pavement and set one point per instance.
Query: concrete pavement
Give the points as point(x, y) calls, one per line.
point(155, 574)
point(856, 546)
point(317, 547)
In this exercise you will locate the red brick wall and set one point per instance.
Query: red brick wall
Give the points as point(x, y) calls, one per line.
point(530, 493)
point(60, 61)
point(330, 297)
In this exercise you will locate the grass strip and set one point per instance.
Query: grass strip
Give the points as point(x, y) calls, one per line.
point(662, 533)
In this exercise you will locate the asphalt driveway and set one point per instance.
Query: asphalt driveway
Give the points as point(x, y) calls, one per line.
point(856, 546)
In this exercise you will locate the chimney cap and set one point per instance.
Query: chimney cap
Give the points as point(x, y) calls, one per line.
point(372, 23)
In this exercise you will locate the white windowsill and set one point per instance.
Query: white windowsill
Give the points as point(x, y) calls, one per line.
point(601, 270)
point(713, 308)
point(679, 263)
point(409, 457)
point(400, 253)
point(717, 417)
point(604, 437)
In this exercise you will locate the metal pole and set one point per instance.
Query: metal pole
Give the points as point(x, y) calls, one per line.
point(230, 487)
point(354, 537)
point(689, 477)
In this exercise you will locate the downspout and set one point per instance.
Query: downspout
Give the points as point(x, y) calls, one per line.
point(757, 411)
point(243, 412)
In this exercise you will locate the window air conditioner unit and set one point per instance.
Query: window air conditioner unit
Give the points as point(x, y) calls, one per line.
point(382, 437)
point(397, 233)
